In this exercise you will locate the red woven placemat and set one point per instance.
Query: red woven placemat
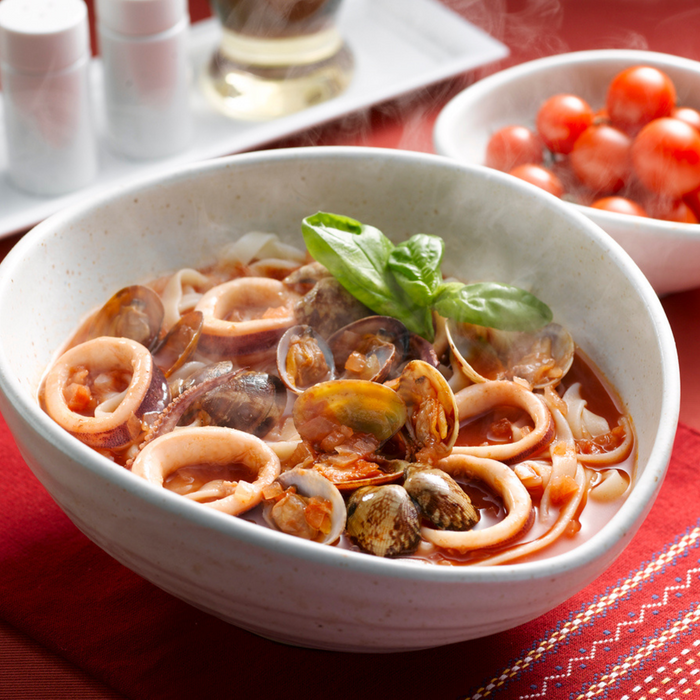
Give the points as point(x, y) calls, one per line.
point(631, 635)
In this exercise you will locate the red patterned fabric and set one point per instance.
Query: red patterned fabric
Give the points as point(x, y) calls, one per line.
point(631, 635)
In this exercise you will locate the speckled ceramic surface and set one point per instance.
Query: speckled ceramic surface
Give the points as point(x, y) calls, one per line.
point(668, 253)
point(291, 590)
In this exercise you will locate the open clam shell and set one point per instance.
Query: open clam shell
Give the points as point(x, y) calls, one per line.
point(304, 359)
point(370, 348)
point(432, 423)
point(363, 406)
point(309, 483)
point(541, 358)
point(134, 312)
point(179, 344)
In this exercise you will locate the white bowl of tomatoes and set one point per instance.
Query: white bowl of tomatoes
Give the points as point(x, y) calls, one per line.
point(614, 132)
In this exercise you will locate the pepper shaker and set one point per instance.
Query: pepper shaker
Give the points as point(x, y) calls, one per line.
point(146, 75)
point(44, 63)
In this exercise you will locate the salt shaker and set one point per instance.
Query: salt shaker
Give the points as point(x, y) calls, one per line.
point(44, 63)
point(146, 71)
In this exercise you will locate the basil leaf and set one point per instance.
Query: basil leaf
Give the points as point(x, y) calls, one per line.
point(493, 305)
point(416, 266)
point(356, 255)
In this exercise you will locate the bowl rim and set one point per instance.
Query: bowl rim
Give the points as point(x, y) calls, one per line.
point(637, 503)
point(468, 99)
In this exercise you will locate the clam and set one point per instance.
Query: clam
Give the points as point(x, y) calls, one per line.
point(221, 395)
point(356, 404)
point(304, 359)
point(384, 521)
point(541, 358)
point(208, 373)
point(247, 400)
point(440, 498)
point(348, 474)
point(502, 481)
point(134, 312)
point(421, 349)
point(311, 507)
point(345, 422)
point(179, 344)
point(328, 306)
point(102, 391)
point(432, 418)
point(369, 348)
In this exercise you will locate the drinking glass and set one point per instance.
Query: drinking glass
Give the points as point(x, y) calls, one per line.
point(276, 57)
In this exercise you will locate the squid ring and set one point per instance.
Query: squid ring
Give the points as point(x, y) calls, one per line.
point(212, 445)
point(480, 398)
point(505, 483)
point(223, 337)
point(147, 390)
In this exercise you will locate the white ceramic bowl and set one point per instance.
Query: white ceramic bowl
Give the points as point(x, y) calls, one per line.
point(668, 253)
point(496, 228)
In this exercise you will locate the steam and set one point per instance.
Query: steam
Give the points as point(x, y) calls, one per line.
point(525, 26)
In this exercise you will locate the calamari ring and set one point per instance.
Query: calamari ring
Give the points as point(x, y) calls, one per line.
point(505, 483)
point(147, 391)
point(222, 337)
point(480, 398)
point(212, 445)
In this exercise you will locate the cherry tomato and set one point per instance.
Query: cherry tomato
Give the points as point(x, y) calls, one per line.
point(692, 199)
point(601, 116)
point(513, 146)
point(540, 176)
point(619, 205)
point(561, 120)
point(671, 209)
point(637, 95)
point(666, 157)
point(601, 158)
point(688, 115)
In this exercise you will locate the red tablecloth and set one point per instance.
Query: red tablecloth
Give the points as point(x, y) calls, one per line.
point(75, 623)
point(635, 626)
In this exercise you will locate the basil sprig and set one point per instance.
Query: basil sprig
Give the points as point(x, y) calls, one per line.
point(404, 281)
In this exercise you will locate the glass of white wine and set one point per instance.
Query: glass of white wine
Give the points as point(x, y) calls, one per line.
point(276, 57)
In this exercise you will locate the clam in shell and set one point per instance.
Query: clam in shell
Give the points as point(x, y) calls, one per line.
point(179, 344)
point(360, 405)
point(541, 358)
point(134, 312)
point(296, 511)
point(440, 498)
point(304, 359)
point(384, 521)
point(432, 422)
point(370, 348)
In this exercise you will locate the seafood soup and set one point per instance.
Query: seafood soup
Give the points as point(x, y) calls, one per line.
point(351, 395)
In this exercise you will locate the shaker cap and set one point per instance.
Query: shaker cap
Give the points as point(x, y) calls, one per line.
point(140, 17)
point(37, 36)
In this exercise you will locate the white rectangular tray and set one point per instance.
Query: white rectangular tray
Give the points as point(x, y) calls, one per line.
point(397, 46)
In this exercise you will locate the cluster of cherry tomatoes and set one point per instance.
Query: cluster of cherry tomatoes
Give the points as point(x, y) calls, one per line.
point(639, 154)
